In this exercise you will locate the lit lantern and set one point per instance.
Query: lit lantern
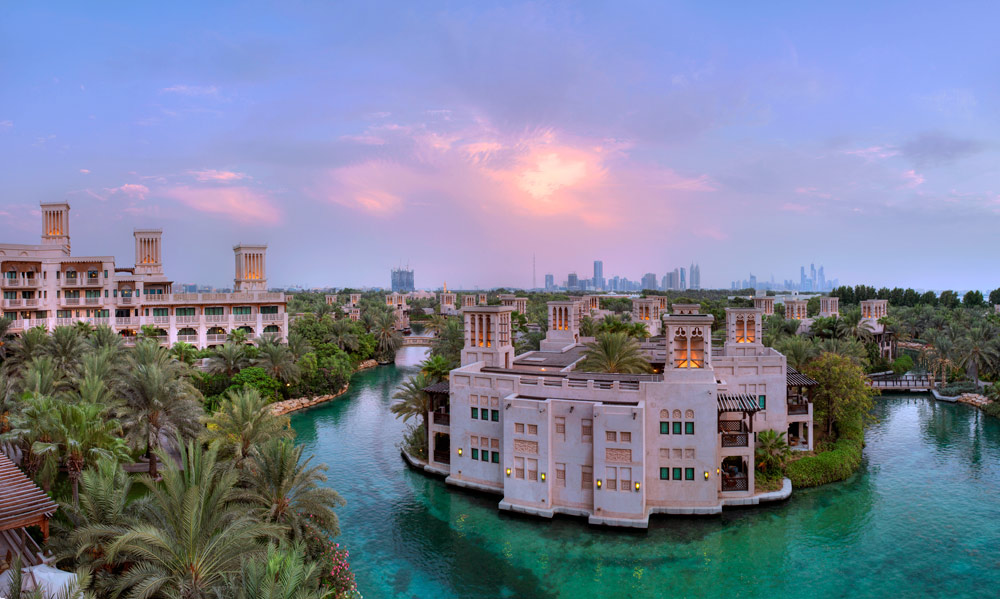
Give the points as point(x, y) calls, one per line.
point(598, 484)
point(508, 472)
point(543, 477)
point(706, 475)
point(459, 452)
point(637, 486)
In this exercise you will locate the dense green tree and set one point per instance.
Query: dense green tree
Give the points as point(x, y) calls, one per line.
point(973, 299)
point(995, 297)
point(228, 359)
point(436, 368)
point(948, 299)
point(842, 394)
point(450, 341)
point(243, 422)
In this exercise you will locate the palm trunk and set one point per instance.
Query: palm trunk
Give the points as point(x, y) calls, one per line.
point(74, 476)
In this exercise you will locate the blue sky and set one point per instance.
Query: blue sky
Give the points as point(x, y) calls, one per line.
point(462, 138)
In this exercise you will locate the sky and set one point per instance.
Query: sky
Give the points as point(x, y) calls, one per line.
point(465, 138)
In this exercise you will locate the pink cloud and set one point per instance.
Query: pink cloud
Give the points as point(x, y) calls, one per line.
point(240, 203)
point(131, 190)
point(912, 178)
point(85, 171)
point(219, 176)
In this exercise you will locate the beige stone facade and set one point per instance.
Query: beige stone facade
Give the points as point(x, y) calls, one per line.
point(45, 285)
point(614, 448)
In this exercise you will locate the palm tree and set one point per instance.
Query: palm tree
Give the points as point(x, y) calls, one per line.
point(638, 330)
point(772, 450)
point(848, 348)
point(66, 348)
point(343, 334)
point(185, 352)
point(84, 329)
point(30, 345)
point(284, 490)
point(82, 434)
point(798, 351)
point(411, 399)
point(437, 368)
point(281, 574)
point(43, 377)
point(450, 341)
point(228, 359)
point(106, 511)
point(8, 402)
point(612, 324)
point(588, 328)
point(279, 362)
point(387, 337)
point(244, 421)
point(238, 337)
point(977, 351)
point(435, 324)
point(193, 535)
point(105, 337)
point(298, 345)
point(35, 423)
point(159, 399)
point(5, 324)
point(614, 353)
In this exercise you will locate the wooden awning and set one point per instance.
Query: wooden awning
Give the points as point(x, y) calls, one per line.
point(797, 379)
point(22, 503)
point(739, 402)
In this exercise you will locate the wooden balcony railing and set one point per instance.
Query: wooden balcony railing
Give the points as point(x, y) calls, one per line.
point(798, 408)
point(735, 483)
point(734, 433)
point(442, 418)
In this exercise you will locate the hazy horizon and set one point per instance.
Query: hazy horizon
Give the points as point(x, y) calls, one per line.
point(464, 138)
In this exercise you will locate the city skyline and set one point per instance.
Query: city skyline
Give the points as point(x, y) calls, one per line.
point(640, 133)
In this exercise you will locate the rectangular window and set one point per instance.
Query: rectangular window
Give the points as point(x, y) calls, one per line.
point(689, 474)
point(241, 310)
point(586, 477)
point(762, 402)
point(485, 456)
point(677, 428)
point(626, 437)
point(611, 436)
point(626, 479)
point(64, 314)
point(676, 474)
point(215, 311)
point(475, 453)
point(688, 428)
point(560, 474)
point(664, 473)
point(532, 429)
point(587, 429)
point(495, 415)
point(269, 309)
point(519, 427)
point(475, 413)
point(532, 469)
point(161, 311)
point(560, 425)
point(519, 468)
point(496, 457)
point(184, 312)
point(611, 478)
point(484, 414)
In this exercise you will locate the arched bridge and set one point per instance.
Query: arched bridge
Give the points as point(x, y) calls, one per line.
point(418, 341)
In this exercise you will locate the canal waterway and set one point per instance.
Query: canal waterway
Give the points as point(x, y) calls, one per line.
point(920, 519)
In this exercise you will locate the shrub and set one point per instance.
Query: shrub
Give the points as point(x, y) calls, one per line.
point(830, 466)
point(902, 364)
point(335, 573)
point(415, 441)
point(210, 384)
point(259, 379)
point(959, 388)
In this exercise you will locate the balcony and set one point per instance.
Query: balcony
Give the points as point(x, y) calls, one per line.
point(272, 317)
point(126, 321)
point(100, 321)
point(735, 483)
point(192, 339)
point(734, 433)
point(29, 283)
point(71, 301)
point(92, 301)
point(245, 317)
point(442, 418)
point(216, 338)
point(13, 303)
point(70, 282)
point(798, 409)
point(216, 318)
point(161, 319)
point(126, 300)
point(188, 319)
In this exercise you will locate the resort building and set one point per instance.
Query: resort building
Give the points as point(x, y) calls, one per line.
point(871, 312)
point(468, 301)
point(615, 448)
point(447, 302)
point(764, 304)
point(401, 310)
point(647, 311)
point(829, 306)
point(518, 304)
point(46, 286)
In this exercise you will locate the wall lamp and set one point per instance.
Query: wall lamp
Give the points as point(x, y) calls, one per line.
point(543, 477)
point(459, 452)
point(598, 484)
point(706, 475)
point(637, 485)
point(508, 473)
point(717, 471)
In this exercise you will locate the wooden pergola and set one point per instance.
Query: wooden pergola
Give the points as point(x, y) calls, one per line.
point(22, 504)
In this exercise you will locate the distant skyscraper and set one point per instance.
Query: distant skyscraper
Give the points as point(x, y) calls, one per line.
point(572, 282)
point(683, 283)
point(695, 277)
point(402, 280)
point(802, 279)
point(550, 281)
point(821, 279)
point(649, 281)
point(599, 275)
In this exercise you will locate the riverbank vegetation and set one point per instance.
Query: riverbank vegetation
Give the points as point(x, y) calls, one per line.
point(224, 496)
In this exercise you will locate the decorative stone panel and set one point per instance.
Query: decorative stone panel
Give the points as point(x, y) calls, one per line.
point(612, 454)
point(524, 446)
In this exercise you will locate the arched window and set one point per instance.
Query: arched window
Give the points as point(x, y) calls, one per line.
point(272, 328)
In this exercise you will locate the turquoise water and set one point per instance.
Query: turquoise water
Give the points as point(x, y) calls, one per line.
point(920, 519)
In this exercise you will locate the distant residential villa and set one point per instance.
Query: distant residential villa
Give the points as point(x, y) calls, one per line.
point(615, 448)
point(46, 286)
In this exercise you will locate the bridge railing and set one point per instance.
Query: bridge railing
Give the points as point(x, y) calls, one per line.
point(901, 382)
